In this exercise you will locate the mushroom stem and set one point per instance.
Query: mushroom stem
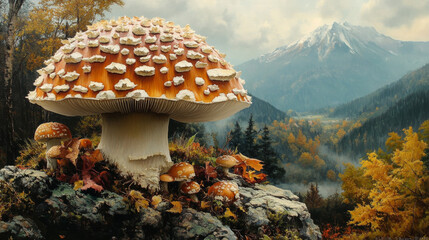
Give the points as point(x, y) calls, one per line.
point(138, 144)
point(194, 198)
point(52, 162)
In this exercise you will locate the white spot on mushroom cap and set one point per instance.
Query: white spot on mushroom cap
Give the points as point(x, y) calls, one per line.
point(221, 98)
point(61, 88)
point(200, 64)
point(155, 29)
point(213, 58)
point(220, 74)
point(138, 94)
point(146, 22)
point(117, 68)
point(47, 87)
point(190, 44)
point(95, 58)
point(96, 86)
point(50, 97)
point(159, 59)
point(178, 80)
point(153, 47)
point(57, 57)
point(166, 48)
point(130, 41)
point(112, 49)
point(39, 81)
point(150, 39)
point(81, 45)
point(32, 95)
point(68, 48)
point(86, 69)
point(49, 69)
point(199, 81)
point(231, 96)
point(71, 76)
point(166, 38)
point(107, 28)
point(141, 51)
point(168, 83)
point(194, 55)
point(75, 57)
point(130, 61)
point(145, 59)
point(61, 72)
point(52, 75)
point(93, 43)
point(138, 30)
point(125, 84)
point(93, 34)
point(206, 49)
point(115, 35)
point(173, 56)
point(125, 51)
point(79, 88)
point(179, 51)
point(145, 71)
point(122, 28)
point(237, 91)
point(104, 39)
point(109, 94)
point(206, 92)
point(164, 70)
point(183, 66)
point(213, 87)
point(185, 95)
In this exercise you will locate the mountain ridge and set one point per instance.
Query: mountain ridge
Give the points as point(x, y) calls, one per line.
point(332, 65)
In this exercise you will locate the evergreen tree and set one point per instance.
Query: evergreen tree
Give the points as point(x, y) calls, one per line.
point(236, 141)
point(249, 144)
point(270, 158)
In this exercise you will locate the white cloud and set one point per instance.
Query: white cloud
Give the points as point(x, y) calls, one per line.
point(245, 29)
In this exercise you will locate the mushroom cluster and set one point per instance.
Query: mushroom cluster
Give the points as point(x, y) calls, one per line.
point(138, 73)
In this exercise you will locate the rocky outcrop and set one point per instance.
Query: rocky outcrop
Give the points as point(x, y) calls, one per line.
point(61, 211)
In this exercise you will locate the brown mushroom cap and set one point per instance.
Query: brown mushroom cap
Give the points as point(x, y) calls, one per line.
point(191, 187)
point(226, 161)
point(52, 130)
point(140, 65)
point(224, 191)
point(182, 171)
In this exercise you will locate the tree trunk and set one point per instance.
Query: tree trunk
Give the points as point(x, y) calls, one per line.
point(14, 7)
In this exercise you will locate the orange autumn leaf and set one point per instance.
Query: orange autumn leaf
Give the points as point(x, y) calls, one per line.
point(228, 214)
point(96, 156)
point(251, 162)
point(205, 204)
point(78, 185)
point(177, 207)
point(156, 200)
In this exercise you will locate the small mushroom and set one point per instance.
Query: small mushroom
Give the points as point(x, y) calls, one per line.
point(226, 162)
point(52, 133)
point(179, 172)
point(224, 191)
point(191, 188)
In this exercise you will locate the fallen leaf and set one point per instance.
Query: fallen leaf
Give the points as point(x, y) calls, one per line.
point(142, 203)
point(205, 204)
point(78, 185)
point(177, 207)
point(156, 200)
point(228, 214)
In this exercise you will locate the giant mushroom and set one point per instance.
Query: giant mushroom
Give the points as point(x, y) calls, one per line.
point(138, 73)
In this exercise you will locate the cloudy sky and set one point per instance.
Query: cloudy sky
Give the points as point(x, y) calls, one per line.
point(245, 29)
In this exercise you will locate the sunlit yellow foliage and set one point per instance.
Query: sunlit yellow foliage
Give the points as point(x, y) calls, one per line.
point(301, 139)
point(306, 159)
point(331, 175)
point(318, 162)
point(394, 142)
point(341, 133)
point(355, 185)
point(291, 138)
point(398, 202)
point(424, 131)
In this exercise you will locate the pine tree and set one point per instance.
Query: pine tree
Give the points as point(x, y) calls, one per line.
point(236, 141)
point(269, 156)
point(249, 143)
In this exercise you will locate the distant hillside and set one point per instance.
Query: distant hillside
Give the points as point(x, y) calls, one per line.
point(409, 111)
point(332, 65)
point(385, 97)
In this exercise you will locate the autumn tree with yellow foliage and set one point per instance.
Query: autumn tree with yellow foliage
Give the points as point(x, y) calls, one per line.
point(391, 190)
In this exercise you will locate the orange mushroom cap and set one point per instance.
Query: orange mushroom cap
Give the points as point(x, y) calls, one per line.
point(181, 171)
point(224, 191)
point(52, 130)
point(226, 161)
point(166, 178)
point(191, 187)
point(140, 65)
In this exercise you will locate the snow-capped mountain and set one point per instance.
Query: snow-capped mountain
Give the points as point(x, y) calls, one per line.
point(332, 65)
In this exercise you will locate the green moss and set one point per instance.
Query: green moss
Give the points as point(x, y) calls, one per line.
point(32, 154)
point(12, 201)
